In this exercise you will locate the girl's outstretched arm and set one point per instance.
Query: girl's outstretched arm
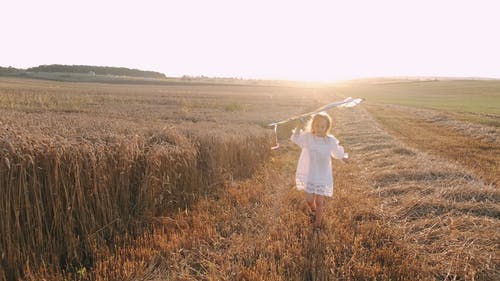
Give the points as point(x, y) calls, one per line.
point(298, 136)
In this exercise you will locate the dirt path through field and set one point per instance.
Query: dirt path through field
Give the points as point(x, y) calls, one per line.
point(258, 229)
point(398, 214)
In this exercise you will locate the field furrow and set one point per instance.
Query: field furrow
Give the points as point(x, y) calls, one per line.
point(471, 145)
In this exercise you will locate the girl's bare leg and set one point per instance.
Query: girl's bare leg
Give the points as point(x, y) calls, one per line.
point(310, 198)
point(319, 210)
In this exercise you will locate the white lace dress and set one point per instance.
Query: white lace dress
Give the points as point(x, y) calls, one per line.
point(314, 170)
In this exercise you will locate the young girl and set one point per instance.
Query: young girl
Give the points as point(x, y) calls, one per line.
point(314, 170)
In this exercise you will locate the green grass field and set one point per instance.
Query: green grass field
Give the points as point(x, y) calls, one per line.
point(475, 100)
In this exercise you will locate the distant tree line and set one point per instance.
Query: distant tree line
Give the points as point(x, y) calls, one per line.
point(98, 70)
point(10, 70)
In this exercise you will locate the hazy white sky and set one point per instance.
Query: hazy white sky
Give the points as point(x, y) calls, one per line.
point(311, 40)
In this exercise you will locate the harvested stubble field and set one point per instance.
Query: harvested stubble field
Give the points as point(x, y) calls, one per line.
point(177, 182)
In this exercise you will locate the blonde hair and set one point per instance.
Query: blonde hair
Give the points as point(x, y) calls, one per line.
point(315, 118)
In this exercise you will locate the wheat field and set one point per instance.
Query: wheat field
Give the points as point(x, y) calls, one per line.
point(178, 182)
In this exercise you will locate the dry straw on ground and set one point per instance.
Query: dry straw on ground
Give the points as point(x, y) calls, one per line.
point(448, 216)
